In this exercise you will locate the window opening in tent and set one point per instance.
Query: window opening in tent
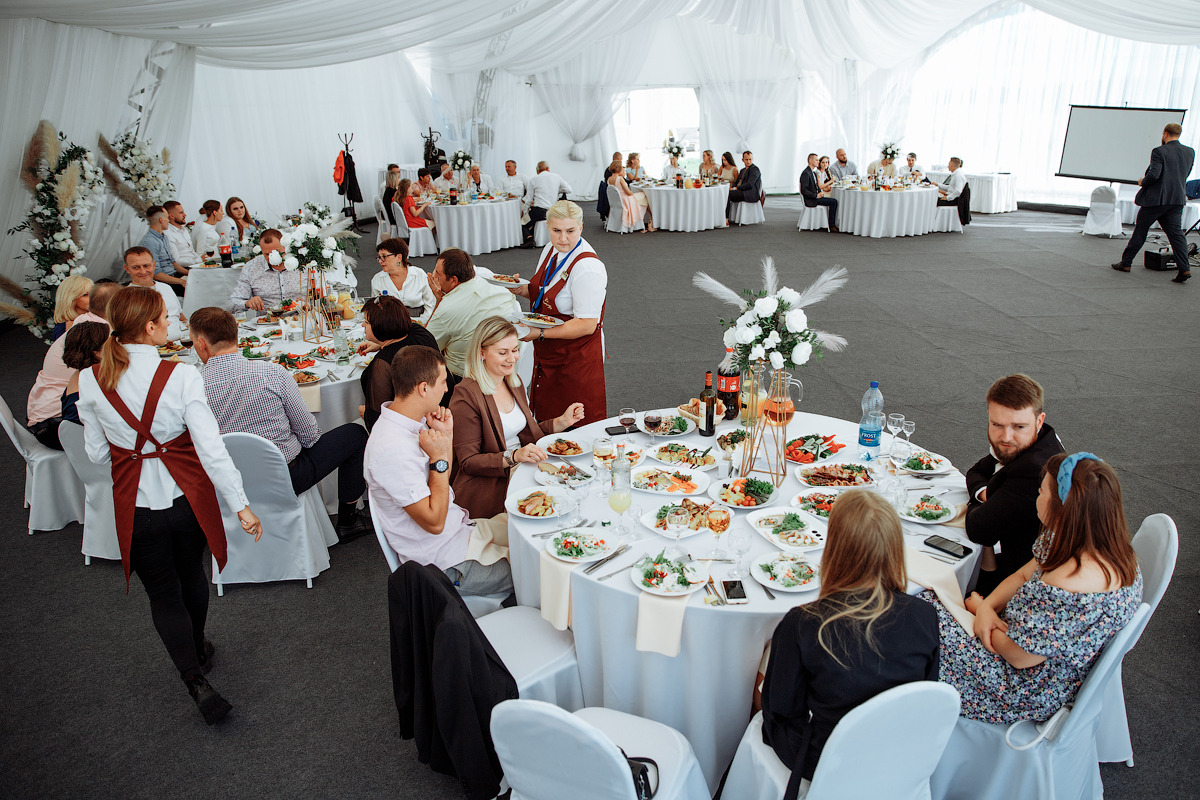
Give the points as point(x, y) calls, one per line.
point(648, 116)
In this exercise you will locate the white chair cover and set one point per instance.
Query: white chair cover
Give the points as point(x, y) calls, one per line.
point(541, 236)
point(756, 772)
point(616, 215)
point(53, 492)
point(421, 241)
point(813, 219)
point(747, 214)
point(1103, 219)
point(296, 530)
point(1157, 546)
point(540, 658)
point(99, 519)
point(549, 754)
point(209, 286)
point(979, 765)
point(385, 227)
point(945, 220)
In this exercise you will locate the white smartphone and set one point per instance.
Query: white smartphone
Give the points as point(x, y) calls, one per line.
point(735, 592)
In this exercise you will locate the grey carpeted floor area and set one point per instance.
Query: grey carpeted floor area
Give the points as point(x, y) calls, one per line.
point(92, 707)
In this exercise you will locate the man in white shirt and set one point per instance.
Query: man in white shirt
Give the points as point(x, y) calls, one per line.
point(139, 263)
point(407, 467)
point(179, 239)
point(842, 167)
point(671, 169)
point(911, 168)
point(512, 183)
point(463, 300)
point(954, 184)
point(478, 182)
point(544, 190)
point(445, 182)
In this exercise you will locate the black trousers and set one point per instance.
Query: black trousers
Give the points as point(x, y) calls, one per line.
point(167, 554)
point(341, 449)
point(944, 202)
point(832, 204)
point(536, 215)
point(1169, 217)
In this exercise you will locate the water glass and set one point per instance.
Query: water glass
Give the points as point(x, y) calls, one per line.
point(910, 425)
point(578, 492)
point(602, 454)
point(677, 522)
point(739, 545)
point(895, 423)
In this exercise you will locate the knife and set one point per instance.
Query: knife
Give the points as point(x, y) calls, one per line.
point(581, 471)
point(590, 568)
point(548, 534)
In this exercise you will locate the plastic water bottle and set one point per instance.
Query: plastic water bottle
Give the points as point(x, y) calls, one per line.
point(341, 345)
point(870, 427)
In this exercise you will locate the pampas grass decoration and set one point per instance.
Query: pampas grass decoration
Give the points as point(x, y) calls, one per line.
point(830, 281)
point(10, 287)
point(831, 341)
point(108, 150)
point(166, 158)
point(770, 276)
point(50, 147)
point(23, 316)
point(707, 283)
point(30, 161)
point(123, 190)
point(67, 186)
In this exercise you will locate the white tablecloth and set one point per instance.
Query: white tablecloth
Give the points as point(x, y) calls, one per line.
point(687, 209)
point(705, 691)
point(991, 192)
point(882, 215)
point(480, 227)
point(209, 286)
point(1129, 209)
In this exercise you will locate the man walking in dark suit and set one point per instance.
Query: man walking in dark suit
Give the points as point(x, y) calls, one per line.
point(810, 188)
point(1161, 199)
point(748, 186)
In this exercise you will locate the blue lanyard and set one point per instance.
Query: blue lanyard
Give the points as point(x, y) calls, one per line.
point(552, 273)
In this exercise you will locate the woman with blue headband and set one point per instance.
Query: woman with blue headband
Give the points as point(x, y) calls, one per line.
point(1037, 635)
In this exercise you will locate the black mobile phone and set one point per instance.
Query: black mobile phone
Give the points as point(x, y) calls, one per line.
point(734, 592)
point(616, 430)
point(948, 546)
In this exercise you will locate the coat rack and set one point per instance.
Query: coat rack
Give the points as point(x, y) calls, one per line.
point(348, 209)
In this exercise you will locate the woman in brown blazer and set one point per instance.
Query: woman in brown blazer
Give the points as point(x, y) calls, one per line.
point(494, 430)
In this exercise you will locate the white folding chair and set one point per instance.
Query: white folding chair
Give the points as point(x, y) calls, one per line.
point(946, 220)
point(385, 227)
point(478, 605)
point(1058, 759)
point(616, 216)
point(1157, 546)
point(53, 492)
point(813, 219)
point(901, 733)
point(99, 519)
point(548, 753)
point(1102, 218)
point(747, 213)
point(296, 530)
point(421, 241)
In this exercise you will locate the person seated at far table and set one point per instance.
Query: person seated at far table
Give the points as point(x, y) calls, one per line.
point(633, 168)
point(748, 186)
point(390, 185)
point(708, 167)
point(388, 328)
point(139, 265)
point(398, 278)
point(179, 238)
point(407, 467)
point(414, 206)
point(544, 190)
point(262, 398)
point(80, 351)
point(824, 179)
point(814, 195)
point(463, 299)
point(266, 282)
point(238, 223)
point(608, 170)
point(863, 636)
point(911, 168)
point(479, 183)
point(634, 205)
point(166, 269)
point(205, 236)
point(951, 188)
point(728, 171)
point(883, 167)
point(70, 300)
point(842, 167)
point(671, 169)
point(512, 183)
point(445, 182)
point(494, 430)
point(1039, 633)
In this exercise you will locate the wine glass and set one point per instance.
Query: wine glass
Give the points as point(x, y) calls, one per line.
point(602, 456)
point(578, 492)
point(651, 421)
point(739, 544)
point(910, 425)
point(677, 522)
point(627, 419)
point(895, 423)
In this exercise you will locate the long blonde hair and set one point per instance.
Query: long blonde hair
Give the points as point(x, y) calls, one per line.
point(862, 565)
point(129, 311)
point(487, 333)
point(70, 290)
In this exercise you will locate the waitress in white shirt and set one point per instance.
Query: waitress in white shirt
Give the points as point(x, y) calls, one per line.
point(149, 418)
point(570, 284)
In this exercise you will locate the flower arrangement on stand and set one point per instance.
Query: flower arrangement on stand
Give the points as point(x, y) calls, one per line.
point(890, 150)
point(460, 162)
point(773, 329)
point(65, 183)
point(672, 148)
point(137, 175)
point(321, 253)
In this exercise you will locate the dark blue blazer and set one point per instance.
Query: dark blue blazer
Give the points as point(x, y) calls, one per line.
point(1163, 184)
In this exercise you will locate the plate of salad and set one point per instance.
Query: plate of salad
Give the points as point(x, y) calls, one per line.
point(929, 510)
point(743, 493)
point(701, 458)
point(787, 529)
point(581, 546)
point(811, 448)
point(922, 462)
point(787, 573)
point(666, 578)
point(817, 503)
point(255, 353)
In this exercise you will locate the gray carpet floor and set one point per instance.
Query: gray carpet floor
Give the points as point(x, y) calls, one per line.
point(92, 705)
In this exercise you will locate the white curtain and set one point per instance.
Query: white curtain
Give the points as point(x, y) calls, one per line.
point(1160, 21)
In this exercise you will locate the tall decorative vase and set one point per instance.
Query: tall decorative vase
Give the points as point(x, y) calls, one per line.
point(316, 320)
point(772, 404)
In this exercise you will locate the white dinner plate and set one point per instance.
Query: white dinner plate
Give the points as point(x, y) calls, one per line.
point(534, 321)
point(714, 492)
point(546, 479)
point(666, 414)
point(651, 517)
point(697, 578)
point(635, 455)
point(610, 544)
point(764, 520)
point(803, 470)
point(584, 444)
point(559, 496)
point(798, 501)
point(716, 454)
point(942, 465)
point(319, 371)
point(700, 479)
point(761, 575)
point(914, 498)
point(507, 284)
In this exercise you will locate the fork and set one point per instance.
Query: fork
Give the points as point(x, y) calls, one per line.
point(548, 534)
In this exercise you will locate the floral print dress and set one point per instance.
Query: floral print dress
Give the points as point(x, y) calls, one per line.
point(1068, 628)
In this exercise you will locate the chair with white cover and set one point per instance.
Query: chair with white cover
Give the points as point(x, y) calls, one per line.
point(385, 227)
point(478, 605)
point(813, 219)
point(53, 492)
point(901, 733)
point(541, 235)
point(421, 241)
point(548, 753)
point(99, 518)
point(540, 657)
point(946, 220)
point(616, 215)
point(1055, 759)
point(1103, 218)
point(747, 213)
point(1157, 546)
point(296, 530)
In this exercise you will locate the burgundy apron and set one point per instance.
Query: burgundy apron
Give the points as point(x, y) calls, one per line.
point(567, 371)
point(179, 457)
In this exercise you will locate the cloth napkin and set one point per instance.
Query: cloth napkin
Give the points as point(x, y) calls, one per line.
point(959, 520)
point(312, 396)
point(556, 591)
point(660, 623)
point(935, 575)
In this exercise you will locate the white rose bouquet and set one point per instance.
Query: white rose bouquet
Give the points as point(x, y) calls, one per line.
point(461, 161)
point(673, 149)
point(890, 150)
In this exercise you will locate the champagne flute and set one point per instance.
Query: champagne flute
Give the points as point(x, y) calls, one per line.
point(603, 451)
point(627, 419)
point(910, 425)
point(739, 544)
point(677, 522)
point(895, 423)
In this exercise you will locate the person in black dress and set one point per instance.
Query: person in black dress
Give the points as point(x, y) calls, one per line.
point(388, 329)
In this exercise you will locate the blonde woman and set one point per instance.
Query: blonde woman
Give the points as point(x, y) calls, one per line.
point(70, 300)
point(633, 168)
point(494, 429)
point(389, 194)
point(862, 636)
point(708, 167)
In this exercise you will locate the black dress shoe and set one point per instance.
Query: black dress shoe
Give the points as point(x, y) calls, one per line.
point(356, 528)
point(1182, 276)
point(207, 657)
point(527, 245)
point(1119, 267)
point(213, 707)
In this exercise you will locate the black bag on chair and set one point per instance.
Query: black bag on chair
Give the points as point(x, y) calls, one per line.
point(641, 776)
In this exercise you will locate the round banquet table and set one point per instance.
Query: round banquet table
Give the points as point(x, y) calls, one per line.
point(482, 226)
point(687, 209)
point(706, 691)
point(882, 215)
point(991, 192)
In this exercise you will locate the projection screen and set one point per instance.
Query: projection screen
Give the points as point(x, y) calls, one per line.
point(1113, 144)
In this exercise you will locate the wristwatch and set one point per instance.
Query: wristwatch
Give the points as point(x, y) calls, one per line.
point(510, 458)
point(441, 465)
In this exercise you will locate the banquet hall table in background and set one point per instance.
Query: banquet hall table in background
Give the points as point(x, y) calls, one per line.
point(1128, 209)
point(991, 192)
point(705, 691)
point(885, 214)
point(687, 209)
point(481, 226)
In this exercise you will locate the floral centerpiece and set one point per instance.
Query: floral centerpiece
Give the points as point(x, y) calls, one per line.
point(890, 150)
point(461, 161)
point(141, 177)
point(672, 148)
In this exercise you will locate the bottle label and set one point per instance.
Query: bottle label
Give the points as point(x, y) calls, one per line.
point(729, 383)
point(869, 437)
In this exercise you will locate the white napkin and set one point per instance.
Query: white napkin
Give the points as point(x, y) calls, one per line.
point(312, 396)
point(660, 623)
point(556, 591)
point(939, 576)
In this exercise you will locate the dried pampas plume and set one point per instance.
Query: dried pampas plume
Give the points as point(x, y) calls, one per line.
point(166, 157)
point(10, 288)
point(123, 190)
point(67, 186)
point(108, 150)
point(707, 283)
point(29, 162)
point(23, 316)
point(76, 231)
point(50, 147)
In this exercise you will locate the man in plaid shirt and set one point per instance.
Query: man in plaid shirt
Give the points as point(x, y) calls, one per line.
point(260, 397)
